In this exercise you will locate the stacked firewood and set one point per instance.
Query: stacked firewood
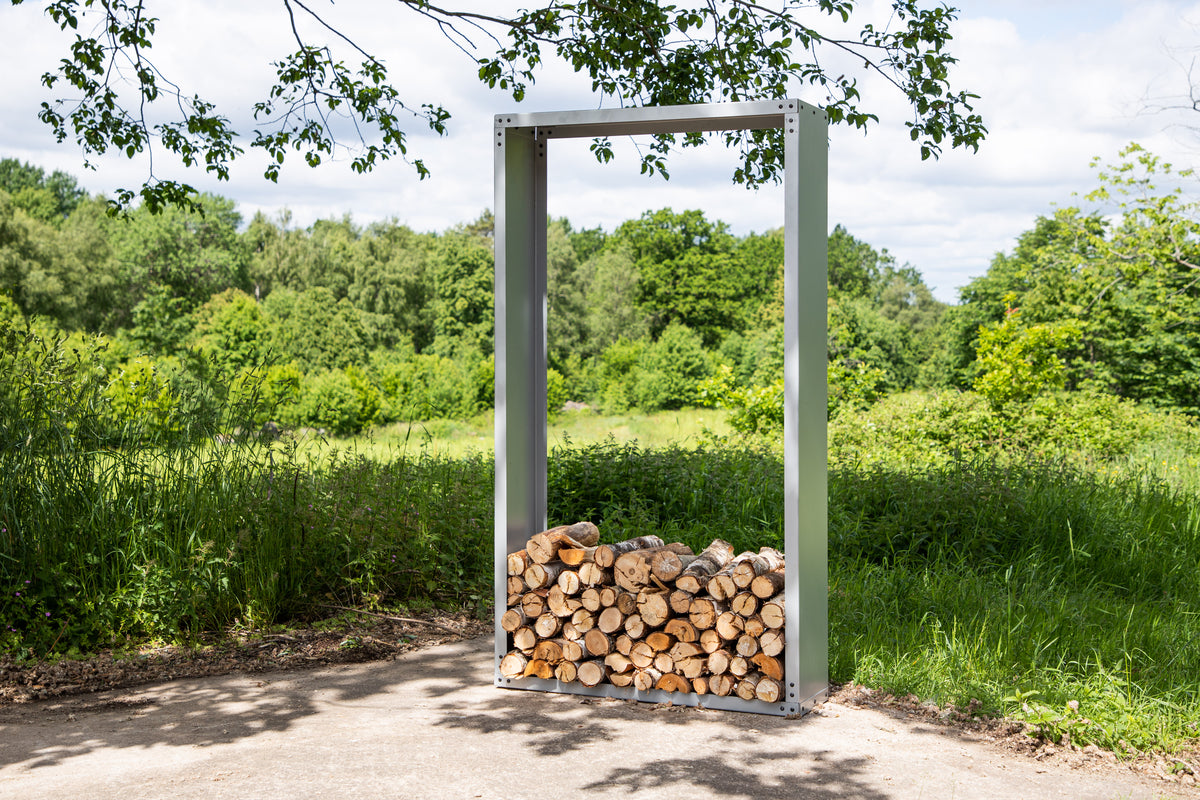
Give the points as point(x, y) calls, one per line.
point(646, 614)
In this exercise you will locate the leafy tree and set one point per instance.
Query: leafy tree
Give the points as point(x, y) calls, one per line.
point(687, 272)
point(28, 270)
point(1017, 363)
point(464, 274)
point(1133, 284)
point(566, 322)
point(639, 52)
point(175, 260)
point(47, 198)
point(610, 278)
point(671, 369)
point(316, 330)
point(855, 268)
point(393, 277)
point(232, 330)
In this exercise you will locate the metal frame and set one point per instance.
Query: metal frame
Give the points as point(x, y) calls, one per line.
point(520, 176)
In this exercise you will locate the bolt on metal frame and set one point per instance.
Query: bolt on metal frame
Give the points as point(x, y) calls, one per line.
point(521, 218)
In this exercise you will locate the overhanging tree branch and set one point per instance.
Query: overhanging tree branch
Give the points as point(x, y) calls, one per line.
point(635, 52)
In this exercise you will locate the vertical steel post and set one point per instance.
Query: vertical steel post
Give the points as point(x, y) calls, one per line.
point(520, 319)
point(805, 535)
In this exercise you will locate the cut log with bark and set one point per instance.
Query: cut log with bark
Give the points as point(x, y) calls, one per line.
point(538, 668)
point(594, 575)
point(768, 560)
point(591, 673)
point(618, 663)
point(512, 619)
point(566, 671)
point(769, 690)
point(642, 655)
point(703, 612)
point(548, 651)
point(621, 678)
point(729, 626)
point(632, 570)
point(689, 668)
point(548, 625)
point(513, 665)
point(772, 612)
point(722, 685)
point(739, 666)
point(721, 586)
point(525, 639)
point(516, 585)
point(710, 641)
point(542, 576)
point(743, 604)
point(623, 644)
point(681, 629)
point(653, 608)
point(771, 642)
point(606, 554)
point(597, 642)
point(513, 599)
point(560, 605)
point(747, 685)
point(569, 583)
point(767, 586)
point(608, 596)
point(682, 650)
point(659, 641)
point(583, 620)
point(534, 603)
point(576, 556)
point(667, 564)
point(768, 665)
point(626, 602)
point(611, 620)
point(646, 679)
point(755, 626)
point(663, 662)
point(680, 601)
point(711, 560)
point(747, 646)
point(635, 626)
point(543, 547)
point(518, 562)
point(671, 682)
point(590, 598)
point(718, 661)
point(700, 685)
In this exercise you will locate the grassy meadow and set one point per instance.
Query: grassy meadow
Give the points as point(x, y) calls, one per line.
point(1047, 569)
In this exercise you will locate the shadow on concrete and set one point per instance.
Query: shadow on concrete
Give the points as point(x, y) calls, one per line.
point(726, 754)
point(203, 712)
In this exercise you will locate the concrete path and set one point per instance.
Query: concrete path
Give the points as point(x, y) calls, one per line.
point(430, 725)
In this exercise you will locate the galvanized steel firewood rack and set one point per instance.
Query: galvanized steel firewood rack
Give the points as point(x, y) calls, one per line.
point(521, 142)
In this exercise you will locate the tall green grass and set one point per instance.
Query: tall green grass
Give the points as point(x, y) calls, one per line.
point(1063, 590)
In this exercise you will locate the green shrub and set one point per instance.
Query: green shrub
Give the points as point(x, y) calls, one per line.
point(671, 369)
point(141, 399)
point(330, 400)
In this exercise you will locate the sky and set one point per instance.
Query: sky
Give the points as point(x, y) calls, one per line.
point(1060, 83)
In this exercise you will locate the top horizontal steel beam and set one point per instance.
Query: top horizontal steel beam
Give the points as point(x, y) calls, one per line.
point(751, 115)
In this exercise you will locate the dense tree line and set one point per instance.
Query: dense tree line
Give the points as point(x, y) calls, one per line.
point(342, 326)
